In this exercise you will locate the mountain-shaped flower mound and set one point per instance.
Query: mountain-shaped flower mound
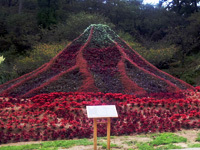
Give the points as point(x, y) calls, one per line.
point(97, 61)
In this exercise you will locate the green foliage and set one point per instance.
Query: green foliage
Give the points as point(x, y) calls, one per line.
point(168, 146)
point(166, 138)
point(38, 56)
point(22, 147)
point(47, 13)
point(15, 38)
point(129, 143)
point(21, 65)
point(159, 57)
point(105, 138)
point(73, 27)
point(193, 30)
point(67, 143)
point(194, 145)
point(162, 141)
point(186, 38)
point(77, 23)
point(126, 37)
point(198, 137)
point(183, 7)
point(50, 145)
point(6, 73)
point(104, 145)
point(144, 146)
point(189, 72)
point(154, 23)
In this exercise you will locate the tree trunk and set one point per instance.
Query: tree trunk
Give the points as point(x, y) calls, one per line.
point(9, 3)
point(20, 6)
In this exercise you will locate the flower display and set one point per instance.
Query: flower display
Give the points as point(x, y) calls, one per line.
point(97, 61)
point(62, 115)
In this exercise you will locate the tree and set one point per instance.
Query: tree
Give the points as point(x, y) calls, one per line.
point(47, 12)
point(20, 6)
point(186, 36)
point(74, 25)
point(182, 7)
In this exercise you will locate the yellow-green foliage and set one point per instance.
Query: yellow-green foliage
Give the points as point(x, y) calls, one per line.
point(41, 54)
point(1, 59)
point(154, 56)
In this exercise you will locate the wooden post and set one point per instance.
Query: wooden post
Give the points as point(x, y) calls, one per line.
point(99, 112)
point(108, 133)
point(95, 134)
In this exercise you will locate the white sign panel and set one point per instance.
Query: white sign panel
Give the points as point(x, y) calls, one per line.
point(101, 111)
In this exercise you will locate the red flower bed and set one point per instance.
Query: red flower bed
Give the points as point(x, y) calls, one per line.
point(198, 88)
point(63, 115)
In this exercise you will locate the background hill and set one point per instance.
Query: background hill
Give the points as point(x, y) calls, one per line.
point(167, 35)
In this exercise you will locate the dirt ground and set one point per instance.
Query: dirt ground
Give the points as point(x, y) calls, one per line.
point(124, 142)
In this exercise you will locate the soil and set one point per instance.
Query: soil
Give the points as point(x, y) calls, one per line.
point(124, 142)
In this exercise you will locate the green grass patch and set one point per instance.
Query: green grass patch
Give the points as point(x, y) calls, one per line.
point(166, 138)
point(198, 137)
point(22, 147)
point(105, 138)
point(130, 143)
point(50, 145)
point(160, 141)
point(104, 145)
point(67, 143)
point(145, 146)
point(168, 146)
point(194, 145)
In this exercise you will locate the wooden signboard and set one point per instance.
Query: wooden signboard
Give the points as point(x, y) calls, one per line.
point(101, 111)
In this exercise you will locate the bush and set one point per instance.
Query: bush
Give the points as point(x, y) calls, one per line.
point(126, 37)
point(20, 34)
point(6, 73)
point(41, 54)
point(167, 138)
point(159, 57)
point(73, 27)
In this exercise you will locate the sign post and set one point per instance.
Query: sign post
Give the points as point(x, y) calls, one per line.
point(108, 133)
point(95, 134)
point(100, 112)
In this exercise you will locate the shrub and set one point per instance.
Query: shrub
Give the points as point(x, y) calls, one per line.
point(73, 27)
point(41, 54)
point(144, 146)
point(6, 73)
point(167, 138)
point(159, 57)
point(20, 33)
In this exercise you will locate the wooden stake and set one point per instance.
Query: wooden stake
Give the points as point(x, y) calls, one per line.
point(95, 134)
point(108, 134)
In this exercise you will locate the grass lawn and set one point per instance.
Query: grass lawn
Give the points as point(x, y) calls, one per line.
point(158, 141)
